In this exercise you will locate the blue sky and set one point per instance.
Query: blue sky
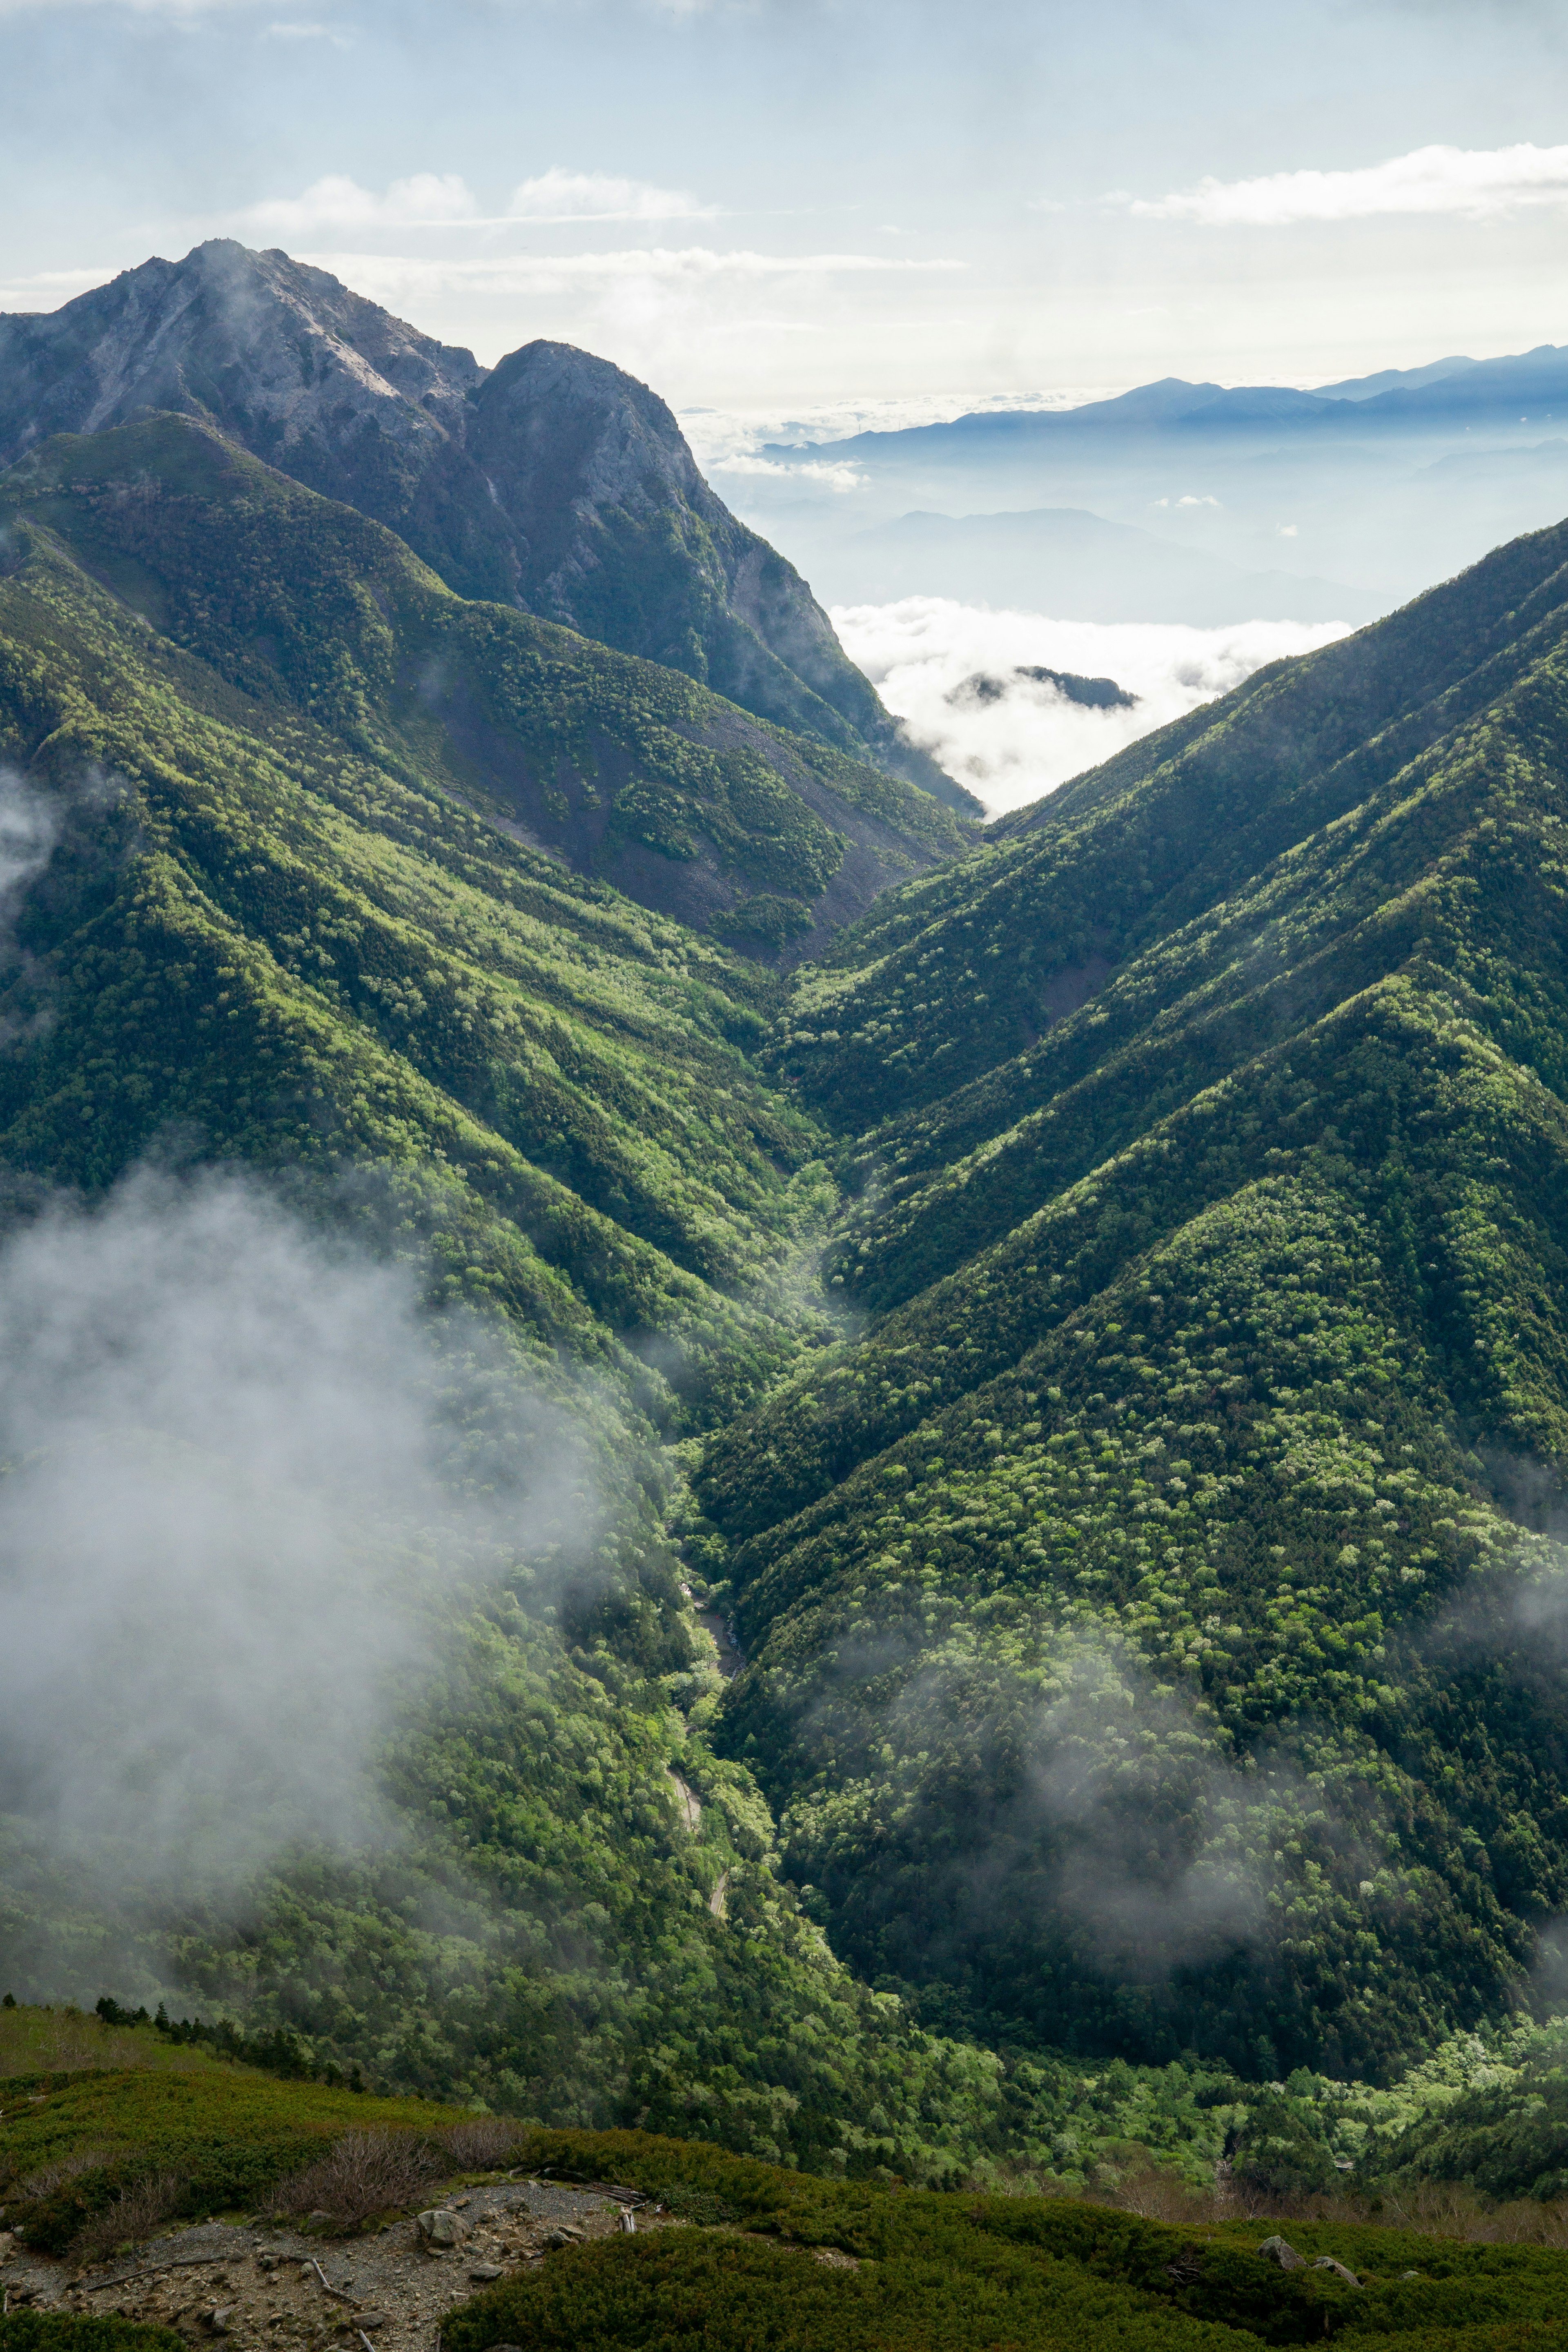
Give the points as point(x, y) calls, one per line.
point(761, 203)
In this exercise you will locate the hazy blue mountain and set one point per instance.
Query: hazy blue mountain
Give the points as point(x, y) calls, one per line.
point(1331, 483)
point(1367, 387)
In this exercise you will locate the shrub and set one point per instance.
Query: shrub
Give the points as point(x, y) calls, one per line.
point(362, 2174)
point(49, 2331)
point(481, 2145)
point(132, 2212)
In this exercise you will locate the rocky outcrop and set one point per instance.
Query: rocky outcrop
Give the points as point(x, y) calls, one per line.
point(555, 481)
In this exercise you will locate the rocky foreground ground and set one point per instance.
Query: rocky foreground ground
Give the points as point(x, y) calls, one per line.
point(259, 2285)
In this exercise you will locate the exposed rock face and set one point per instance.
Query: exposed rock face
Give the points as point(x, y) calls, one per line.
point(553, 481)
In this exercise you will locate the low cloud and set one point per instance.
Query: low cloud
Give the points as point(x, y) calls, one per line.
point(562, 196)
point(248, 1486)
point(1027, 739)
point(839, 477)
point(1104, 1820)
point(444, 200)
point(29, 828)
point(297, 32)
point(1132, 1803)
point(1478, 184)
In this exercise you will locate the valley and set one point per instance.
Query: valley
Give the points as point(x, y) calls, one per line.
point(1040, 1664)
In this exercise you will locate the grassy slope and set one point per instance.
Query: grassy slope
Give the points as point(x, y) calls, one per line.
point(922, 2268)
point(1159, 1480)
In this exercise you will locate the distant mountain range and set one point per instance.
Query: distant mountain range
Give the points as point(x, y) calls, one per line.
point(1319, 504)
point(1400, 400)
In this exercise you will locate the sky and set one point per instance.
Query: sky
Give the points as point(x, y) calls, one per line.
point(782, 205)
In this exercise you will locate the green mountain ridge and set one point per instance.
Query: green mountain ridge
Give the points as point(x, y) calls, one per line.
point(554, 482)
point(1196, 1311)
point(1148, 1668)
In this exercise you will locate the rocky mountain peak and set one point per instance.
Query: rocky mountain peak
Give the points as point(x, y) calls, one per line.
point(555, 481)
point(261, 345)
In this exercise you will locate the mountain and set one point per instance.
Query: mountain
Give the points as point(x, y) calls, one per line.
point(1433, 397)
point(553, 481)
point(615, 767)
point(1063, 560)
point(1147, 1648)
point(1367, 387)
point(1092, 1341)
point(266, 909)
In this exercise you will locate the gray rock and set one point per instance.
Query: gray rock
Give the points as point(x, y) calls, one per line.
point(222, 2318)
point(1326, 2262)
point(1280, 2249)
point(487, 2271)
point(441, 2227)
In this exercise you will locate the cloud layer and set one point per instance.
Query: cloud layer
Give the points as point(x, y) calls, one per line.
point(1478, 183)
point(432, 200)
point(1028, 738)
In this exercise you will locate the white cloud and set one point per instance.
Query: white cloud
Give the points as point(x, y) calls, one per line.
point(834, 474)
point(1288, 530)
point(1029, 739)
point(45, 288)
point(444, 200)
point(292, 32)
point(1480, 182)
point(426, 200)
point(558, 195)
point(239, 1502)
point(399, 276)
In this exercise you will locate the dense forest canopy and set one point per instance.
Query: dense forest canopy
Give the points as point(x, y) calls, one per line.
point(1096, 1328)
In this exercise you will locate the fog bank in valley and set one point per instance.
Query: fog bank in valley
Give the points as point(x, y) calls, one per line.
point(1011, 747)
point(244, 1478)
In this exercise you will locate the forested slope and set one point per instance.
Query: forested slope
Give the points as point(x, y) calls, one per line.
point(618, 768)
point(1141, 1653)
point(1142, 1542)
point(258, 922)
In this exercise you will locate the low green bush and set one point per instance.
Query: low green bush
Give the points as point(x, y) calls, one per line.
point(49, 2331)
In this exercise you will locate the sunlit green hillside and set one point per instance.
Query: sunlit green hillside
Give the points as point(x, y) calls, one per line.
point(1143, 1654)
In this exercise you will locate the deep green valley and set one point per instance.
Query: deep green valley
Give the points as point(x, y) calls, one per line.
point(1065, 1320)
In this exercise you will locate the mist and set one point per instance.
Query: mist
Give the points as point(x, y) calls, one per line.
point(1105, 1820)
point(246, 1484)
point(1029, 738)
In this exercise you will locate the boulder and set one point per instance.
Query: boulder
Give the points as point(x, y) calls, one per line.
point(441, 2227)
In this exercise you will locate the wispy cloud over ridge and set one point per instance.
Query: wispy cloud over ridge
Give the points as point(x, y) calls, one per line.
point(399, 276)
point(442, 200)
point(1480, 182)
